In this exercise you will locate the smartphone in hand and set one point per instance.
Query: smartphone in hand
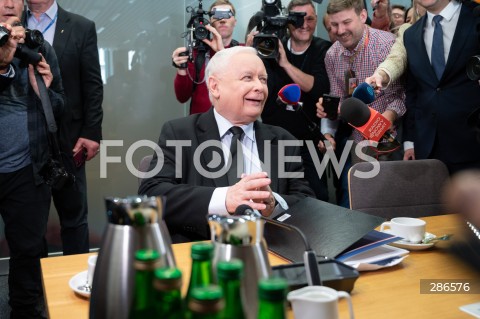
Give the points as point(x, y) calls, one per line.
point(330, 106)
point(80, 157)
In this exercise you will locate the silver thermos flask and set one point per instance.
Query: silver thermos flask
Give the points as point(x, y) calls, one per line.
point(133, 223)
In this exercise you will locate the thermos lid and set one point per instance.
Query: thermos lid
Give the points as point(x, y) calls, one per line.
point(202, 251)
point(232, 269)
point(272, 289)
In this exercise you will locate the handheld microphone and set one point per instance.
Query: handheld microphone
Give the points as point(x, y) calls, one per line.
point(290, 95)
point(309, 256)
point(364, 92)
point(371, 124)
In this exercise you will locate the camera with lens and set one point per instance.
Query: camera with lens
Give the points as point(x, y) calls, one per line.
point(28, 52)
point(272, 26)
point(473, 68)
point(197, 30)
point(55, 175)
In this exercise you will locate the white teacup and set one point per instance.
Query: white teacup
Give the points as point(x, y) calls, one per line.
point(411, 229)
point(92, 260)
point(313, 302)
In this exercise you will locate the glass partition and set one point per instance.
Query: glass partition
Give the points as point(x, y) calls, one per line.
point(135, 39)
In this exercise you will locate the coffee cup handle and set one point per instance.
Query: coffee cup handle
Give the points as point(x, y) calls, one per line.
point(385, 224)
point(346, 295)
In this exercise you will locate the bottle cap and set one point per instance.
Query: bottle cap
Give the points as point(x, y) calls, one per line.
point(272, 289)
point(206, 299)
point(167, 279)
point(232, 269)
point(202, 251)
point(146, 259)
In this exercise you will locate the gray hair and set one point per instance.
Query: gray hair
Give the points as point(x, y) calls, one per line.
point(222, 59)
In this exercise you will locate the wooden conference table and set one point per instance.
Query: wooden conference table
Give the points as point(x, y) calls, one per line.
point(387, 293)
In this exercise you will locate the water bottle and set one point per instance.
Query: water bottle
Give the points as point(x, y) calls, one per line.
point(229, 274)
point(271, 294)
point(168, 296)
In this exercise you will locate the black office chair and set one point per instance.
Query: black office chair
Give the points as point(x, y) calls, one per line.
point(401, 188)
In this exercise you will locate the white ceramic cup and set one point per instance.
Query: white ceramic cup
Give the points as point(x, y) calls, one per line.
point(314, 302)
point(92, 260)
point(411, 229)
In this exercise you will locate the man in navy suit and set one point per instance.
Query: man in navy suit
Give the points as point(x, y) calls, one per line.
point(439, 94)
point(191, 178)
point(74, 39)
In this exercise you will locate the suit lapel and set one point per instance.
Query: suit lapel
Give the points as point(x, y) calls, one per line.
point(462, 34)
point(62, 32)
point(207, 131)
point(267, 142)
point(422, 50)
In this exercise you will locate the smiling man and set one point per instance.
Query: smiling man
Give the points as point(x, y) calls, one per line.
point(301, 61)
point(194, 152)
point(357, 53)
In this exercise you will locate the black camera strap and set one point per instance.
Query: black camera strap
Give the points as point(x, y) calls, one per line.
point(49, 117)
point(199, 61)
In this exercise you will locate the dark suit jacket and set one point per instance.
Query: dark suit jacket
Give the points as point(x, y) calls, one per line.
point(437, 110)
point(75, 44)
point(188, 196)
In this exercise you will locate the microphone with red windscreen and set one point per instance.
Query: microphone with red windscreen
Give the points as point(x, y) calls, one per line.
point(371, 124)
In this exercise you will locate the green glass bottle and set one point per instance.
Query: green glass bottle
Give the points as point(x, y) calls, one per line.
point(143, 301)
point(206, 303)
point(201, 274)
point(168, 295)
point(229, 274)
point(271, 295)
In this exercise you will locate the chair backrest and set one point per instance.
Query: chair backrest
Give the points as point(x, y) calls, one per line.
point(401, 188)
point(144, 166)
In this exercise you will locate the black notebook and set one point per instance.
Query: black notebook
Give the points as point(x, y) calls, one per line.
point(330, 229)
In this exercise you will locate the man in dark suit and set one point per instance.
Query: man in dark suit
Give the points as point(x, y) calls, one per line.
point(439, 94)
point(74, 40)
point(193, 152)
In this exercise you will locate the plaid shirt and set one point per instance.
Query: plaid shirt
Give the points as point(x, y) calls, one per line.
point(370, 51)
point(14, 88)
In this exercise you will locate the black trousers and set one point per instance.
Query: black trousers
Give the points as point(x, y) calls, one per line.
point(72, 209)
point(24, 208)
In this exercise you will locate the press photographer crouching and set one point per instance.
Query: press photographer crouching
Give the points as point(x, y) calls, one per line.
point(24, 151)
point(207, 33)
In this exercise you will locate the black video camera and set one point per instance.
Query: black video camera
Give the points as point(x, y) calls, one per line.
point(27, 52)
point(273, 27)
point(196, 28)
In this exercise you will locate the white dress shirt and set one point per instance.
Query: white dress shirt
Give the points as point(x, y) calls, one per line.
point(251, 163)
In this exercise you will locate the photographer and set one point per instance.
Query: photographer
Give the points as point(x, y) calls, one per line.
point(24, 151)
point(301, 61)
point(189, 81)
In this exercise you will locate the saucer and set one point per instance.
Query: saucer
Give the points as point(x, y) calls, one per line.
point(77, 281)
point(411, 246)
